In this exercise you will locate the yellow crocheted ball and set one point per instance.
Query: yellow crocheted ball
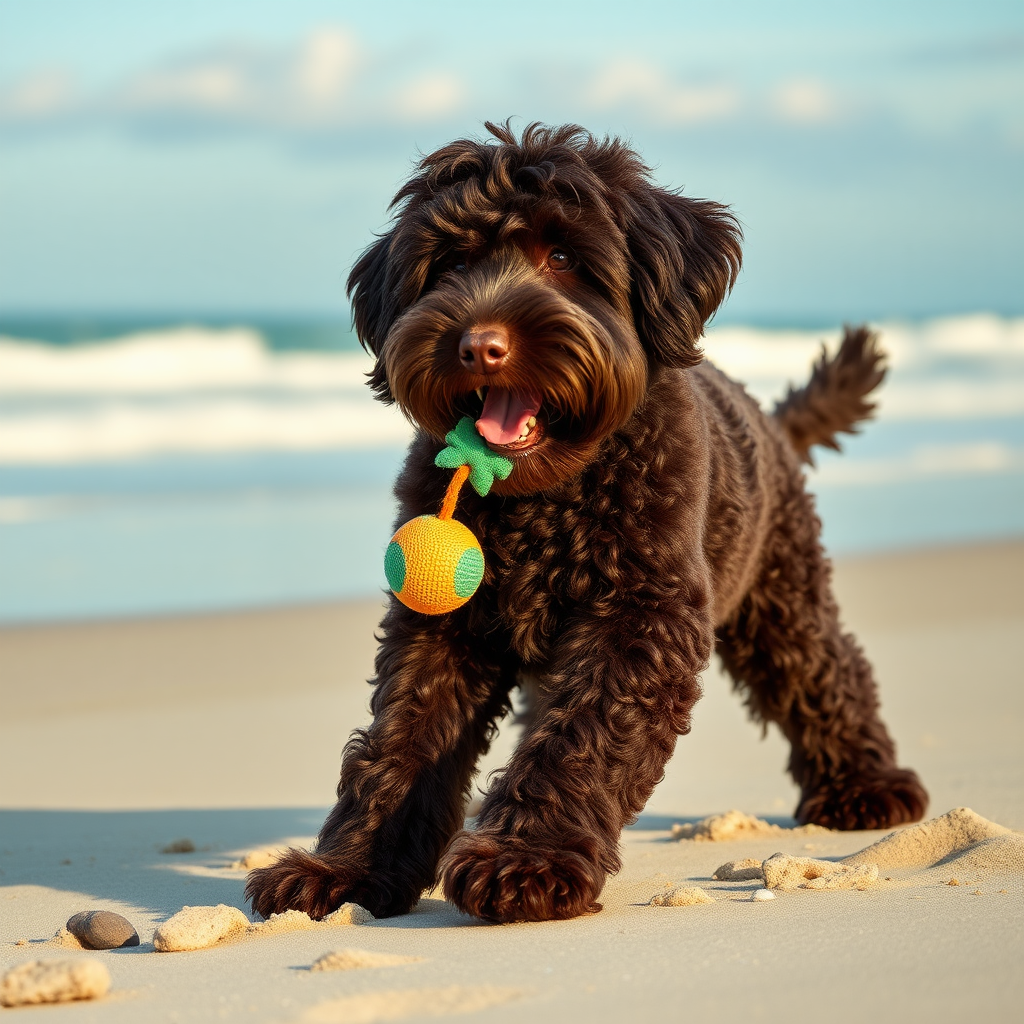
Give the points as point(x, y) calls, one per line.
point(434, 565)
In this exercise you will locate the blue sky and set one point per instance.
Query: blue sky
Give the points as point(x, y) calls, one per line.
point(234, 157)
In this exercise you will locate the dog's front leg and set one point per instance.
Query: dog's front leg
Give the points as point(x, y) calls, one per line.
point(439, 691)
point(619, 691)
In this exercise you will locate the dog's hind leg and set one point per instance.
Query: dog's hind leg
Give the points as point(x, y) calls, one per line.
point(619, 690)
point(785, 649)
point(404, 780)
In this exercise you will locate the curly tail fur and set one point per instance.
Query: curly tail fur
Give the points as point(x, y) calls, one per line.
point(834, 400)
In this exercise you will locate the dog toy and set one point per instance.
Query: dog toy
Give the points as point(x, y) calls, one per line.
point(434, 564)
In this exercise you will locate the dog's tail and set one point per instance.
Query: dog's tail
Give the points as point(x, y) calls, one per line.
point(834, 400)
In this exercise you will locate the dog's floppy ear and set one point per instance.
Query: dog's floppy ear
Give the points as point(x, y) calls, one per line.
point(685, 255)
point(374, 306)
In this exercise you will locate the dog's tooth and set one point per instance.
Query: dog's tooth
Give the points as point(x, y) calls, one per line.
point(480, 393)
point(532, 422)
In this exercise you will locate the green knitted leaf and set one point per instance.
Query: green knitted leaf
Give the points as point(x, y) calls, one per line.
point(467, 448)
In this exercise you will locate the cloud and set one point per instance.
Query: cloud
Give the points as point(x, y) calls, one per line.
point(637, 84)
point(326, 82)
point(330, 83)
point(432, 96)
point(803, 101)
point(39, 96)
point(311, 85)
point(326, 64)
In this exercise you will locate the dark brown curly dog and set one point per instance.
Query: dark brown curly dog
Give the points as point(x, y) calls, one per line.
point(654, 513)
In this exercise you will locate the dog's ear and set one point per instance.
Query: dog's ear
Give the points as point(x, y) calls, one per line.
point(374, 306)
point(685, 256)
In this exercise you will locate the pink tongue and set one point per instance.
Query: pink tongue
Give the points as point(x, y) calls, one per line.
point(505, 415)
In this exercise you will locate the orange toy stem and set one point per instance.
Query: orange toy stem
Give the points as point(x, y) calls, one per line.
point(451, 496)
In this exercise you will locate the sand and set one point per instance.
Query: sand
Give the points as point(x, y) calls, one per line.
point(263, 702)
point(194, 928)
point(53, 981)
point(681, 896)
point(733, 825)
point(370, 1007)
point(359, 959)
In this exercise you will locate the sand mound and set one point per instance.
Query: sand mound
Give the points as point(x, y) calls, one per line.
point(198, 927)
point(202, 927)
point(355, 959)
point(64, 939)
point(723, 828)
point(952, 834)
point(297, 921)
point(682, 896)
point(785, 872)
point(1000, 853)
point(748, 869)
point(54, 981)
point(430, 1002)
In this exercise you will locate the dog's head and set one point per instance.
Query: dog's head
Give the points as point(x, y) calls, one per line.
point(532, 284)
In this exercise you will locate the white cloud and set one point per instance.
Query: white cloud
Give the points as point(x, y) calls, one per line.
point(40, 95)
point(326, 64)
point(803, 101)
point(634, 83)
point(208, 86)
point(324, 82)
point(430, 96)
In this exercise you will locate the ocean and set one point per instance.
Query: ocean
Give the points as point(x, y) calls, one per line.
point(173, 465)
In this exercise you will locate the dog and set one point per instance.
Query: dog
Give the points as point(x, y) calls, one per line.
point(546, 287)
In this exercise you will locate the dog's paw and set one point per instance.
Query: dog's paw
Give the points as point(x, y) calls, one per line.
point(869, 800)
point(500, 880)
point(300, 881)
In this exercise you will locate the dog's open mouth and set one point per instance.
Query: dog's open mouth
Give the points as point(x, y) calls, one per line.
point(510, 421)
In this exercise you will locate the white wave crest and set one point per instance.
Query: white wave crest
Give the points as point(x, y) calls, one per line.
point(173, 360)
point(118, 431)
point(952, 460)
point(952, 367)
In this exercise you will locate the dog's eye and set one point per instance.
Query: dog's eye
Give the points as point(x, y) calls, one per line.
point(559, 260)
point(459, 268)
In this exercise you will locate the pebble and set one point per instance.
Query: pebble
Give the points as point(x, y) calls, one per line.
point(102, 929)
point(760, 895)
point(54, 981)
point(179, 846)
point(198, 928)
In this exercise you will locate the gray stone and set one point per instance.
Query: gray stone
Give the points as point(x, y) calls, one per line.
point(102, 929)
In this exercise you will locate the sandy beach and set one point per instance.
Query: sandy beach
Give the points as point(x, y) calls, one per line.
point(117, 740)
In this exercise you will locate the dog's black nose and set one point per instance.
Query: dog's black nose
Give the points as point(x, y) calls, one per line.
point(484, 351)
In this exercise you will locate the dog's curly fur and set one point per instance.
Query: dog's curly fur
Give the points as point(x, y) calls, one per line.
point(656, 514)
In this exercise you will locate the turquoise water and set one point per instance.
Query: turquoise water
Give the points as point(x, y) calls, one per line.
point(280, 334)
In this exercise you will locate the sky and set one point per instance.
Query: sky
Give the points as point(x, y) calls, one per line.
point(235, 157)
